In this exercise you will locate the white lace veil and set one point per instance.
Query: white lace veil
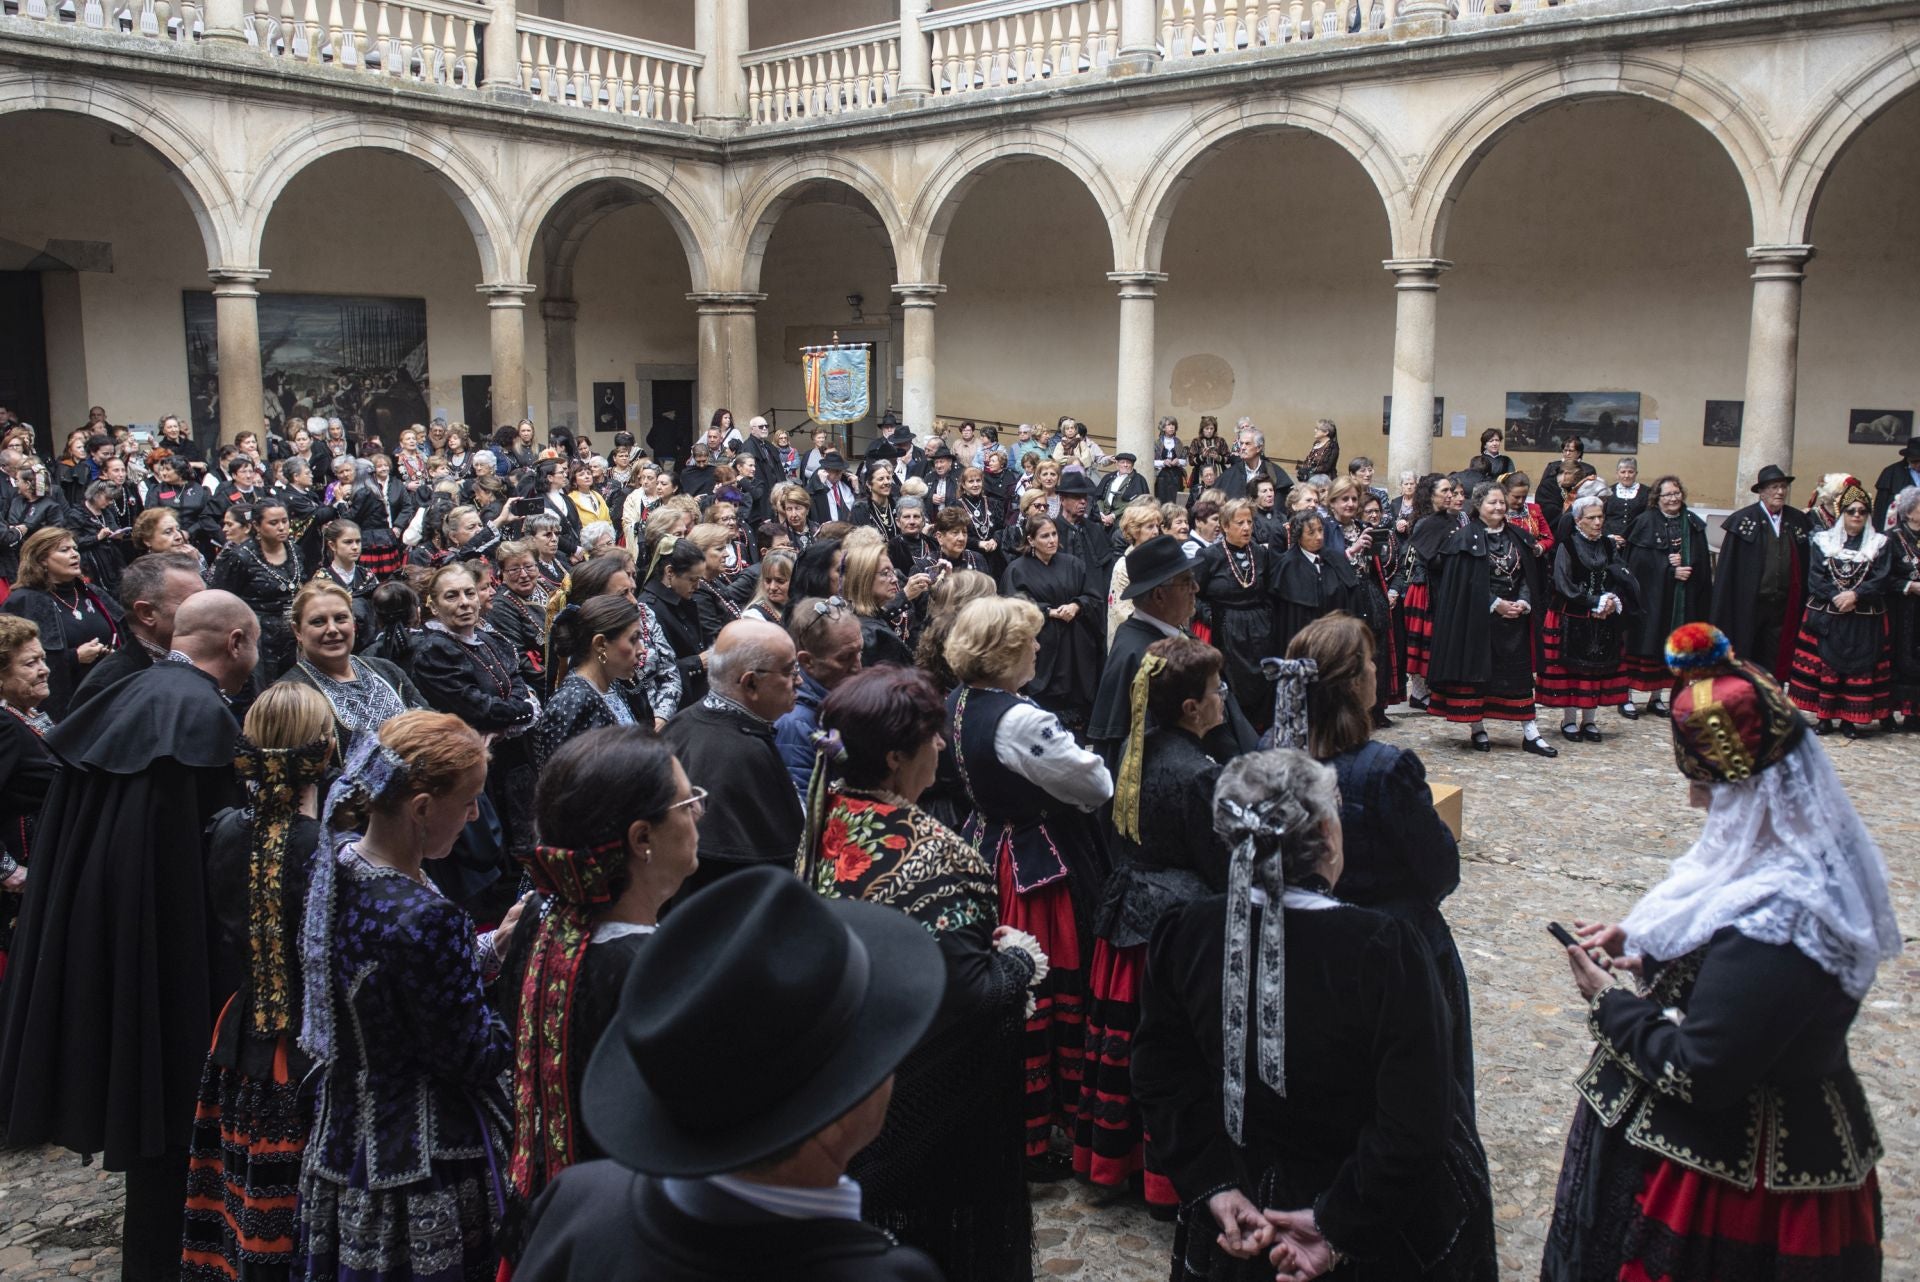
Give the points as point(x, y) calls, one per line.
point(1784, 859)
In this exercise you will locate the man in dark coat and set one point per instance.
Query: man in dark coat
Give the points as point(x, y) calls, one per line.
point(110, 1004)
point(1084, 537)
point(725, 743)
point(1759, 587)
point(1896, 476)
point(1162, 587)
point(1120, 487)
point(151, 592)
point(725, 1056)
point(1250, 445)
point(832, 492)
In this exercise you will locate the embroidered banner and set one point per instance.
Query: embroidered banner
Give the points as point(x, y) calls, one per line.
point(837, 382)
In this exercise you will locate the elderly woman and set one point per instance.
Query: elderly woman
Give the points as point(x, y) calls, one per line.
point(1720, 1122)
point(26, 767)
point(1140, 520)
point(1072, 644)
point(363, 691)
point(871, 585)
point(77, 624)
point(1584, 637)
point(1323, 456)
point(1903, 606)
point(1031, 788)
point(617, 821)
point(1672, 564)
point(1293, 1062)
point(946, 1174)
point(1238, 582)
point(1841, 670)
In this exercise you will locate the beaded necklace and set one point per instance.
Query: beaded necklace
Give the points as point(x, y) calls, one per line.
point(1234, 557)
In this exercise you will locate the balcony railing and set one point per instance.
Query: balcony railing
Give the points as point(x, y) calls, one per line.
point(829, 76)
point(600, 71)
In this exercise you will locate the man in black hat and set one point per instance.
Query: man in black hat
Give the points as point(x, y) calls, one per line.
point(1120, 487)
point(752, 1055)
point(1085, 538)
point(943, 483)
point(1760, 581)
point(1896, 476)
point(833, 497)
point(1162, 587)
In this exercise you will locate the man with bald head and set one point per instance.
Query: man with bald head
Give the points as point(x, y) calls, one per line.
point(151, 590)
point(725, 743)
point(110, 1000)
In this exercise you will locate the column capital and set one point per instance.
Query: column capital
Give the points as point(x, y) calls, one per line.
point(1417, 273)
point(1779, 262)
point(237, 282)
point(920, 293)
point(505, 293)
point(1138, 284)
point(726, 302)
point(559, 309)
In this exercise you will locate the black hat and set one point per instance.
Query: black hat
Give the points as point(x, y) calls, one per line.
point(758, 1013)
point(889, 419)
point(941, 451)
point(1076, 485)
point(830, 461)
point(1768, 475)
point(1152, 563)
point(1124, 457)
point(1911, 449)
point(882, 450)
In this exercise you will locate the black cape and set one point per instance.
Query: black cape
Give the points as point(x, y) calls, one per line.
point(1461, 599)
point(754, 816)
point(1666, 602)
point(1112, 702)
point(1736, 584)
point(109, 1007)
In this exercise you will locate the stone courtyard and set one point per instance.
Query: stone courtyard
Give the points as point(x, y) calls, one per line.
point(1577, 837)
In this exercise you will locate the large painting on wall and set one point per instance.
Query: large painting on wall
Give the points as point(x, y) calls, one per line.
point(361, 360)
point(1605, 422)
point(1386, 415)
point(1879, 427)
point(1724, 419)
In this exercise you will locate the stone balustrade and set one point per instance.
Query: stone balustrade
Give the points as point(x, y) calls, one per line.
point(142, 19)
point(1015, 42)
point(807, 79)
point(601, 71)
point(427, 41)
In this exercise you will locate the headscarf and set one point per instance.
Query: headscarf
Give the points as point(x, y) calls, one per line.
point(278, 776)
point(578, 880)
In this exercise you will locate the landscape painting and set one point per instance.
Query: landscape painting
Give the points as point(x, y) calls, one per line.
point(361, 360)
point(1605, 422)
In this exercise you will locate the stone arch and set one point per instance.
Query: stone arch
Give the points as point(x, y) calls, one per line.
point(787, 182)
point(942, 195)
point(209, 197)
point(1460, 149)
point(1177, 162)
point(1845, 115)
point(466, 182)
point(577, 194)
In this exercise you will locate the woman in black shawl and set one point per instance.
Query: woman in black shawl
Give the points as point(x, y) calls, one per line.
point(1668, 556)
point(1072, 646)
point(1237, 579)
point(1585, 632)
point(1436, 514)
point(1309, 584)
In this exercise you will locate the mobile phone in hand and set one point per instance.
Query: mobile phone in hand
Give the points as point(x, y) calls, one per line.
point(1562, 934)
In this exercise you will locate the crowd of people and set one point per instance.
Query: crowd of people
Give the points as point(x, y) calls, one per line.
point(476, 859)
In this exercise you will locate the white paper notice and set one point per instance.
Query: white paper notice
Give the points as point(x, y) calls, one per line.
point(1459, 424)
point(1649, 431)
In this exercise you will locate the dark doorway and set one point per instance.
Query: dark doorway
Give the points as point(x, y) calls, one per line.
point(23, 355)
point(476, 400)
point(671, 433)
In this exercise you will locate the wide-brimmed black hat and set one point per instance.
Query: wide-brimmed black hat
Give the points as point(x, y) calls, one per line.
point(1911, 449)
point(942, 450)
point(1768, 475)
point(1152, 563)
point(889, 419)
point(758, 1013)
point(830, 461)
point(1076, 485)
point(882, 450)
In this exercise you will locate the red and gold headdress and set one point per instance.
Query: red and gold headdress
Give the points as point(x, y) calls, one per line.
point(1730, 719)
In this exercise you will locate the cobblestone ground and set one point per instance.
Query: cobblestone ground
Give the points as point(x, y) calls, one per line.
point(1582, 836)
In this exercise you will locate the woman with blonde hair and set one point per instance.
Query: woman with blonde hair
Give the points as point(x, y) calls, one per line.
point(27, 769)
point(77, 624)
point(250, 1127)
point(363, 691)
point(1140, 520)
point(1032, 791)
point(871, 587)
point(772, 592)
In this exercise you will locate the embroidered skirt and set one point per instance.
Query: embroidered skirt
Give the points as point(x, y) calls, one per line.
point(243, 1172)
point(1690, 1227)
point(1416, 610)
point(1053, 1046)
point(1818, 688)
point(1565, 686)
point(439, 1229)
point(1109, 1137)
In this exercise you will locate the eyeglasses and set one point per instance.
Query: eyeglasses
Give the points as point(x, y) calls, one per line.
point(1855, 510)
point(829, 607)
point(792, 671)
point(697, 799)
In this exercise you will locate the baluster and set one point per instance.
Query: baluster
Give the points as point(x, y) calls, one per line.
point(1229, 26)
point(1183, 32)
point(997, 68)
point(578, 80)
point(543, 68)
point(1208, 27)
point(1056, 45)
point(427, 49)
point(1276, 28)
point(867, 94)
point(1074, 41)
point(597, 80)
point(893, 69)
point(685, 114)
point(354, 37)
point(1017, 51)
point(1300, 28)
point(804, 102)
point(663, 106)
point(400, 51)
point(777, 106)
point(969, 59)
point(679, 99)
point(756, 96)
point(448, 66)
point(1110, 33)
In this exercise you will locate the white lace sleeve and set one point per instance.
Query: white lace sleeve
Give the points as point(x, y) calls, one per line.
point(1031, 742)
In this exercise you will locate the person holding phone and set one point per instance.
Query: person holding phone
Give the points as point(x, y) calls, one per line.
point(1720, 1119)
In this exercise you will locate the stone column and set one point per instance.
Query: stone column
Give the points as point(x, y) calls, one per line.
point(916, 60)
point(507, 329)
point(720, 33)
point(563, 387)
point(500, 53)
point(1773, 361)
point(916, 355)
point(729, 374)
point(1133, 394)
point(1139, 30)
point(236, 323)
point(224, 22)
point(1417, 305)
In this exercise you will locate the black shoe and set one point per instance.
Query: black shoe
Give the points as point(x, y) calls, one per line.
point(1381, 721)
point(1912, 723)
point(1591, 733)
point(1570, 732)
point(1629, 711)
point(1888, 724)
point(1049, 1168)
point(1162, 1214)
point(1418, 705)
point(1850, 730)
point(1539, 748)
point(1480, 741)
point(1659, 709)
point(1822, 727)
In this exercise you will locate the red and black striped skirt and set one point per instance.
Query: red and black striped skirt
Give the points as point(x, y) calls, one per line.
point(382, 556)
point(243, 1172)
point(1109, 1138)
point(1691, 1227)
point(1053, 1046)
point(1818, 689)
point(1416, 609)
point(1565, 687)
point(1645, 674)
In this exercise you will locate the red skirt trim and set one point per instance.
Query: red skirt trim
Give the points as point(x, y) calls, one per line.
point(1563, 687)
point(1816, 688)
point(1466, 704)
point(1416, 609)
point(1694, 1228)
point(1109, 1142)
point(384, 560)
point(1645, 674)
point(1053, 1046)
